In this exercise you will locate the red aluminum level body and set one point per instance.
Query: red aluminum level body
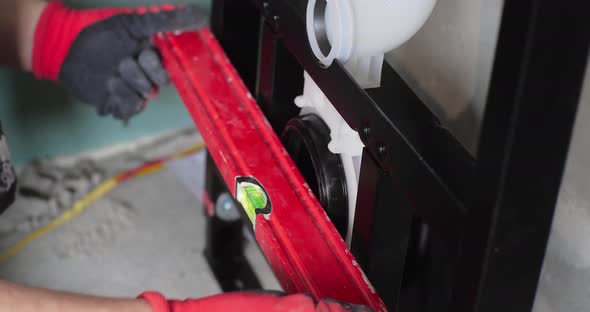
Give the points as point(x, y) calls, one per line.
point(302, 246)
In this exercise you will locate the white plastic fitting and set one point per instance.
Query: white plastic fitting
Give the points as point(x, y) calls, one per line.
point(345, 141)
point(358, 33)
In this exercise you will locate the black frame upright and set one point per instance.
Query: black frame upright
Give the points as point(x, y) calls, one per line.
point(435, 229)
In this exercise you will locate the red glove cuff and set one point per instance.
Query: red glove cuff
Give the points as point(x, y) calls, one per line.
point(244, 302)
point(56, 30)
point(156, 300)
point(59, 26)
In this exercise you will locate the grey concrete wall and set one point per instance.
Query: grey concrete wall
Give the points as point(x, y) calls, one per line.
point(565, 281)
point(449, 62)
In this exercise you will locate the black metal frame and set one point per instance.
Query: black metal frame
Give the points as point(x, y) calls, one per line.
point(436, 230)
point(225, 244)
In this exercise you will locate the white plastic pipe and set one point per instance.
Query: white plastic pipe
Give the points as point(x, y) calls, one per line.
point(360, 32)
point(344, 140)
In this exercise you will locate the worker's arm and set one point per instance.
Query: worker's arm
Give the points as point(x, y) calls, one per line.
point(18, 19)
point(17, 298)
point(105, 57)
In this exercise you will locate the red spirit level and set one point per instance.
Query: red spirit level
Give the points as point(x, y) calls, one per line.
point(302, 246)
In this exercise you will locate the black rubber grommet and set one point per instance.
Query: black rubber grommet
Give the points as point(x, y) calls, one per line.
point(306, 139)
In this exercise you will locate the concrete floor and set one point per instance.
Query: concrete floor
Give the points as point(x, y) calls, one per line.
point(147, 234)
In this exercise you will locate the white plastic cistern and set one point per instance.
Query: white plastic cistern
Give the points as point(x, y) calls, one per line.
point(358, 33)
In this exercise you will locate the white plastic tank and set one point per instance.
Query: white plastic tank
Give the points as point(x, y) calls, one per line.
point(359, 32)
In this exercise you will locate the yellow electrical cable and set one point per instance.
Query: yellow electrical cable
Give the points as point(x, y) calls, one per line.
point(81, 205)
point(73, 212)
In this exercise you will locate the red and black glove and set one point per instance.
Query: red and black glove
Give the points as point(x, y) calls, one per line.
point(105, 57)
point(250, 302)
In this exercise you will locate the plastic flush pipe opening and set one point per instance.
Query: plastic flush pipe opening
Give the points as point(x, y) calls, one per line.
point(327, 32)
point(319, 24)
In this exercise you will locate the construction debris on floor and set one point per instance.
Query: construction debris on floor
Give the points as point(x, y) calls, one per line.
point(76, 226)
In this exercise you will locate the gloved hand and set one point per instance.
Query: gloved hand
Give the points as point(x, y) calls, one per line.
point(249, 302)
point(105, 57)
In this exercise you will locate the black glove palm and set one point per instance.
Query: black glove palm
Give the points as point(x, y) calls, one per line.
point(113, 65)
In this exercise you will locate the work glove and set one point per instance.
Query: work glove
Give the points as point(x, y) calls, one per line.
point(105, 57)
point(249, 302)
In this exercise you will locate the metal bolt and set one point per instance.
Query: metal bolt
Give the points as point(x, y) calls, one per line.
point(365, 133)
point(227, 205)
point(226, 208)
point(266, 7)
point(382, 151)
point(275, 22)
